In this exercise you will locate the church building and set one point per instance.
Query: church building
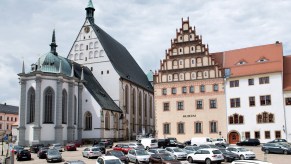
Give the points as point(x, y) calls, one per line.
point(98, 91)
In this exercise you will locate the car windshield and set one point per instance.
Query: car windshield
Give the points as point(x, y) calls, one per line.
point(141, 152)
point(117, 153)
point(212, 146)
point(95, 149)
point(112, 161)
point(53, 152)
point(154, 141)
point(167, 157)
point(242, 149)
point(131, 144)
point(284, 144)
point(178, 150)
point(216, 152)
point(139, 144)
point(125, 146)
point(162, 151)
point(224, 150)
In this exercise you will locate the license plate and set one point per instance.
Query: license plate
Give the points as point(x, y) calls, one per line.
point(24, 157)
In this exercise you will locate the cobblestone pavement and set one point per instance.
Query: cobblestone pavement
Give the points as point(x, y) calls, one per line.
point(77, 155)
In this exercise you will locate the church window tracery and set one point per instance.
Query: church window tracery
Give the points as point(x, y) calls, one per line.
point(31, 105)
point(48, 106)
point(88, 121)
point(64, 107)
point(107, 121)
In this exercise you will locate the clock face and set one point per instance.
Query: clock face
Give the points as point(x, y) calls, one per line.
point(87, 29)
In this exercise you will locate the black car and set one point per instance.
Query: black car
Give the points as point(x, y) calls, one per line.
point(278, 140)
point(205, 146)
point(229, 156)
point(35, 147)
point(101, 146)
point(118, 154)
point(249, 142)
point(187, 143)
point(17, 148)
point(163, 143)
point(282, 148)
point(23, 154)
point(75, 162)
point(42, 152)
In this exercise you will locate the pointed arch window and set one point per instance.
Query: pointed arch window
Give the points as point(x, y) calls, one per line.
point(139, 104)
point(31, 106)
point(48, 106)
point(133, 101)
point(126, 99)
point(107, 121)
point(145, 105)
point(75, 110)
point(64, 107)
point(88, 121)
point(151, 107)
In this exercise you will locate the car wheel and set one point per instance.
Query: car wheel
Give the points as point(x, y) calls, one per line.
point(147, 148)
point(285, 152)
point(190, 160)
point(136, 161)
point(267, 151)
point(208, 161)
point(175, 156)
point(241, 157)
point(88, 156)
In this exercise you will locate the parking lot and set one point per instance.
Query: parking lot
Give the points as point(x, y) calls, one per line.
point(77, 155)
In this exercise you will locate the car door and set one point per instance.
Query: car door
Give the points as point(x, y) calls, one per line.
point(155, 158)
point(277, 148)
point(131, 155)
point(85, 152)
point(196, 155)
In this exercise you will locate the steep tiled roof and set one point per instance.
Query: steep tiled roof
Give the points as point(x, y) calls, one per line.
point(9, 109)
point(271, 54)
point(287, 73)
point(121, 59)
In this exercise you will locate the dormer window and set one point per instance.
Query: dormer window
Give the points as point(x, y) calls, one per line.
point(262, 60)
point(241, 62)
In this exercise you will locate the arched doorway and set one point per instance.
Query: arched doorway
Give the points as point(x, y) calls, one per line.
point(233, 137)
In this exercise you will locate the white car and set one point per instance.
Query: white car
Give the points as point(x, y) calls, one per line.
point(57, 146)
point(219, 141)
point(136, 145)
point(90, 152)
point(206, 155)
point(138, 156)
point(250, 162)
point(176, 152)
point(108, 160)
point(155, 151)
point(242, 152)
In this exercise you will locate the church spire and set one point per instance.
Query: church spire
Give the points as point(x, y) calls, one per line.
point(54, 45)
point(90, 10)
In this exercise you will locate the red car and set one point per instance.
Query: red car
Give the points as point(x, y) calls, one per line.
point(70, 147)
point(122, 147)
point(77, 143)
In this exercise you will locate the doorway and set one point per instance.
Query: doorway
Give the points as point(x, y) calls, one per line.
point(233, 137)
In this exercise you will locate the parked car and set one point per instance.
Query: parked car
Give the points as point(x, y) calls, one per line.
point(249, 142)
point(276, 148)
point(23, 154)
point(138, 156)
point(118, 154)
point(163, 143)
point(156, 151)
point(17, 148)
point(203, 146)
point(220, 142)
point(176, 152)
point(101, 147)
point(196, 141)
point(53, 155)
point(108, 160)
point(107, 142)
point(250, 162)
point(206, 155)
point(229, 156)
point(136, 145)
point(57, 146)
point(163, 158)
point(188, 142)
point(41, 154)
point(242, 152)
point(91, 152)
point(75, 162)
point(148, 142)
point(77, 143)
point(35, 148)
point(122, 147)
point(70, 147)
point(278, 140)
point(191, 149)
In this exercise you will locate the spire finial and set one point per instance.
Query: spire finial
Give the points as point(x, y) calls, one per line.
point(23, 69)
point(54, 45)
point(90, 10)
point(90, 4)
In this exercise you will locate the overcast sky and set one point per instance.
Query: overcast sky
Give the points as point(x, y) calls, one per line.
point(144, 27)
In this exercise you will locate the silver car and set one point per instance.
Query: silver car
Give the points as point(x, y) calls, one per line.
point(176, 152)
point(53, 155)
point(138, 156)
point(90, 152)
point(57, 146)
point(156, 151)
point(136, 145)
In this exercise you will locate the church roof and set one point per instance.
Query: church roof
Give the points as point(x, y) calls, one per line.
point(95, 89)
point(121, 59)
point(8, 109)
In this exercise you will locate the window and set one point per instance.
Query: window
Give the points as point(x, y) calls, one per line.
point(198, 127)
point(48, 106)
point(264, 80)
point(64, 107)
point(88, 121)
point(181, 128)
point(31, 106)
point(252, 101)
point(277, 134)
point(174, 90)
point(107, 121)
point(126, 96)
point(180, 105)
point(212, 104)
point(236, 119)
point(0, 126)
point(247, 135)
point(213, 127)
point(166, 128)
point(265, 118)
point(235, 102)
point(107, 71)
point(199, 104)
point(7, 118)
point(164, 91)
point(184, 89)
point(101, 72)
point(0, 117)
point(267, 135)
point(166, 106)
point(251, 81)
point(215, 87)
point(265, 100)
point(234, 83)
point(192, 91)
point(75, 110)
point(202, 88)
point(257, 135)
point(288, 100)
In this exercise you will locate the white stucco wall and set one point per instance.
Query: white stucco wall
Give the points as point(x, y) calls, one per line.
point(244, 91)
point(287, 117)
